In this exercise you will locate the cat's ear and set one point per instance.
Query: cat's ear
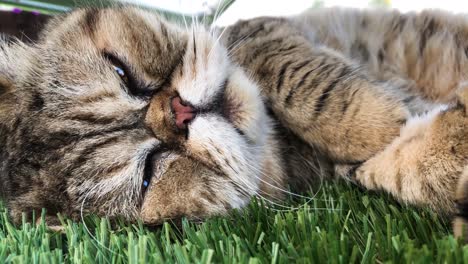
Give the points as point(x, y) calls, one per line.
point(14, 60)
point(5, 76)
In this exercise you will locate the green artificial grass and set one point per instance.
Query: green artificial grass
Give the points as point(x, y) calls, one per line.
point(341, 225)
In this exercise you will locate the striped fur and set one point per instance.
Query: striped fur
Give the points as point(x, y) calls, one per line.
point(332, 92)
point(377, 88)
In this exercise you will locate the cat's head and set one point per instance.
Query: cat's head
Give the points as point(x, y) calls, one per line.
point(121, 113)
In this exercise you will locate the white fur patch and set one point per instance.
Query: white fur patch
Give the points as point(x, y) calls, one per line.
point(423, 120)
point(205, 69)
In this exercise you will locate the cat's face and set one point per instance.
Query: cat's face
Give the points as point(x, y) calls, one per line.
point(122, 114)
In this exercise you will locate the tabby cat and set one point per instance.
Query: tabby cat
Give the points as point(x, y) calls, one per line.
point(119, 113)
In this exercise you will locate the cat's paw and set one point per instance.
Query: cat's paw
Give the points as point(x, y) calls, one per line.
point(52, 223)
point(368, 176)
point(423, 165)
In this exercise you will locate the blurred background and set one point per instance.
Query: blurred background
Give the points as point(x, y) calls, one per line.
point(24, 18)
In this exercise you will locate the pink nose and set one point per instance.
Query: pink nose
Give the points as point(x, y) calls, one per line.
point(184, 114)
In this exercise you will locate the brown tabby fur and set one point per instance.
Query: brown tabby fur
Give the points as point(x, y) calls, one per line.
point(332, 92)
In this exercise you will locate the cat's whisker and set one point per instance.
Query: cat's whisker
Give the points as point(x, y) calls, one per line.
point(309, 199)
point(237, 45)
point(259, 171)
point(291, 208)
point(213, 28)
point(185, 23)
point(93, 238)
point(194, 24)
point(218, 7)
point(218, 39)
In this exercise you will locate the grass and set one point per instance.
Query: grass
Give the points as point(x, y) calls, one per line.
point(341, 225)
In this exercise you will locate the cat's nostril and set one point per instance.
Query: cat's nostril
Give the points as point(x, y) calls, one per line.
point(183, 113)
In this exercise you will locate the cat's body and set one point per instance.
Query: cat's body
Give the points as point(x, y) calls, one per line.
point(327, 73)
point(208, 124)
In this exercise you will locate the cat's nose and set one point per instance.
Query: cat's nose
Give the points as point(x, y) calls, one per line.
point(183, 113)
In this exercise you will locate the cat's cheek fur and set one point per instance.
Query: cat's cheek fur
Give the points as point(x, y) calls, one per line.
point(214, 140)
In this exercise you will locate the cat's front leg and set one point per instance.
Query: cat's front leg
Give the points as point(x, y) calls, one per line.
point(424, 164)
point(332, 105)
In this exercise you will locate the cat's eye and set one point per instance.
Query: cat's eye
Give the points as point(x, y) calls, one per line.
point(121, 73)
point(133, 85)
point(145, 183)
point(148, 172)
point(118, 67)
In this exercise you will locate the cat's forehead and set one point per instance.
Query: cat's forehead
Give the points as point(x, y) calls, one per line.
point(134, 28)
point(140, 37)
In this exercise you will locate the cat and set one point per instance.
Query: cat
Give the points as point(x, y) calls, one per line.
point(120, 113)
